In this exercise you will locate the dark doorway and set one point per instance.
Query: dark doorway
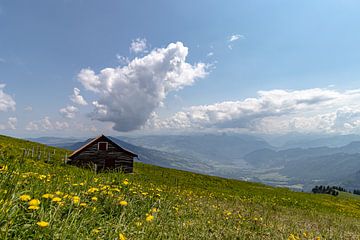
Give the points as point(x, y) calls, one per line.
point(109, 163)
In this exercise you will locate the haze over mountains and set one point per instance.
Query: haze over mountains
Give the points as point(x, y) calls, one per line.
point(298, 161)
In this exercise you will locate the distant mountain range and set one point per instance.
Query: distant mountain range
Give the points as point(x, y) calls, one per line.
point(298, 140)
point(219, 148)
point(312, 165)
point(246, 157)
point(53, 141)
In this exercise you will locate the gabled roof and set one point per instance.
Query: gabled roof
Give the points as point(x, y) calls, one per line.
point(100, 138)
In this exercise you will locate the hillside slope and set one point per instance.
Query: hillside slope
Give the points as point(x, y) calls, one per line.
point(155, 203)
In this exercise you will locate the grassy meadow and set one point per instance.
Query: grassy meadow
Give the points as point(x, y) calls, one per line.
point(46, 199)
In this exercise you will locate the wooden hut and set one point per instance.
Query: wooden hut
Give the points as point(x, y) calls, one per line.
point(103, 154)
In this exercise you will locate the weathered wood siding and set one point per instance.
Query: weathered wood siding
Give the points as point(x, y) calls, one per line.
point(91, 155)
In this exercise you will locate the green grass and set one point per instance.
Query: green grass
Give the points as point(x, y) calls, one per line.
point(182, 205)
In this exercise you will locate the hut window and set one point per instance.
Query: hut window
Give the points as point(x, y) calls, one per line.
point(103, 146)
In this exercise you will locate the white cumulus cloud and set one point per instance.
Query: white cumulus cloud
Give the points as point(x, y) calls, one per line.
point(236, 37)
point(128, 95)
point(138, 45)
point(10, 125)
point(77, 98)
point(69, 111)
point(122, 59)
point(233, 38)
point(12, 121)
point(6, 101)
point(275, 111)
point(46, 124)
point(32, 126)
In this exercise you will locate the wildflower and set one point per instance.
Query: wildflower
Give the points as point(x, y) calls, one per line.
point(292, 237)
point(154, 210)
point(149, 218)
point(76, 199)
point(122, 237)
point(34, 202)
point(42, 177)
point(94, 199)
point(92, 190)
point(83, 204)
point(33, 207)
point(56, 199)
point(96, 230)
point(123, 203)
point(3, 168)
point(42, 224)
point(59, 193)
point(25, 198)
point(48, 195)
point(126, 182)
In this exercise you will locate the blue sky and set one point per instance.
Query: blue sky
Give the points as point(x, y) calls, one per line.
point(306, 50)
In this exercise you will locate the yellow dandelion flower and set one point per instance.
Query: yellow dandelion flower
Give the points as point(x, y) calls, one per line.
point(42, 177)
point(47, 195)
point(32, 207)
point(3, 168)
point(123, 203)
point(25, 197)
point(92, 190)
point(76, 199)
point(154, 210)
point(59, 193)
point(34, 202)
point(149, 218)
point(126, 182)
point(292, 237)
point(83, 204)
point(42, 224)
point(95, 230)
point(122, 237)
point(56, 199)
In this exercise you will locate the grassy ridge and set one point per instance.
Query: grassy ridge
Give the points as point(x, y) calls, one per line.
point(156, 203)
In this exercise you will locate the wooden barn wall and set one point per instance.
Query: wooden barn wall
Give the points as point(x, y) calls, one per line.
point(91, 154)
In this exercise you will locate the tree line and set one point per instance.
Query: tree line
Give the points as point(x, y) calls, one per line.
point(333, 190)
